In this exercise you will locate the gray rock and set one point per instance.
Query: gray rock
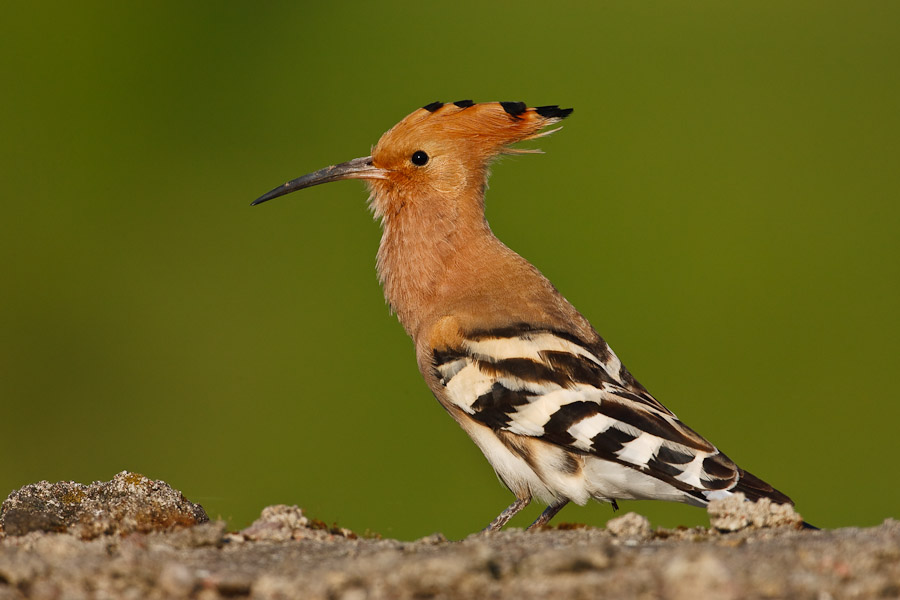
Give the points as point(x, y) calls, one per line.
point(280, 523)
point(129, 503)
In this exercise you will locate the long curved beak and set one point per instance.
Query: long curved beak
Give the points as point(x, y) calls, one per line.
point(358, 168)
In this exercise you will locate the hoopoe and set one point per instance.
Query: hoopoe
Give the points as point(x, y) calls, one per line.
point(552, 408)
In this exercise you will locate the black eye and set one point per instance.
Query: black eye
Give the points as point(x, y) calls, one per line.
point(419, 158)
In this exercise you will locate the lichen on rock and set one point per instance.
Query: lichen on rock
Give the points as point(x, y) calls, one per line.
point(128, 503)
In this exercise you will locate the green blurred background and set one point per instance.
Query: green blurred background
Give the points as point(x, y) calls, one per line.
point(723, 206)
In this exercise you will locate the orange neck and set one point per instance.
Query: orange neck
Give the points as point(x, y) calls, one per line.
point(421, 238)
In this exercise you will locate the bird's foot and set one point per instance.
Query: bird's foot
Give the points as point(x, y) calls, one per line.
point(504, 517)
point(548, 514)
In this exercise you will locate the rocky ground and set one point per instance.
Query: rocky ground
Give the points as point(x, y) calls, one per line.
point(137, 538)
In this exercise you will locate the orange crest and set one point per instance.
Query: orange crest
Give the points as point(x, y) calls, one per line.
point(479, 131)
point(446, 148)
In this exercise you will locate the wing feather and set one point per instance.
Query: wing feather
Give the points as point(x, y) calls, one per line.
point(543, 385)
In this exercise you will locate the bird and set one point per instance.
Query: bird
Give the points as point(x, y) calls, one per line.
point(550, 405)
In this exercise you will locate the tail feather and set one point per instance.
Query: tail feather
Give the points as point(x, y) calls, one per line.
point(755, 488)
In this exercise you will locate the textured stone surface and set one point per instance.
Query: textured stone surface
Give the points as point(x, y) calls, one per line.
point(129, 503)
point(205, 562)
point(285, 555)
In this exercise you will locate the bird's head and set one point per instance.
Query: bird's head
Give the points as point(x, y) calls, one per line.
point(438, 151)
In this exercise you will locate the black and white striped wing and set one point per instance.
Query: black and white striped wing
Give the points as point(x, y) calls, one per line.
point(552, 387)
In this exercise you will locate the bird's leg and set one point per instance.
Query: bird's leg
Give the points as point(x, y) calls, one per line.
point(548, 514)
point(504, 517)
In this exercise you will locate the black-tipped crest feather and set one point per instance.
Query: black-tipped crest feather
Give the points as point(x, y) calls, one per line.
point(553, 112)
point(514, 108)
